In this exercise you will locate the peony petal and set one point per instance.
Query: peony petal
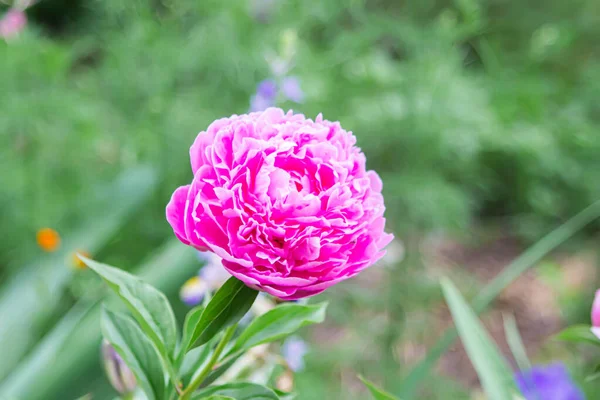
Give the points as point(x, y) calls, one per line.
point(176, 212)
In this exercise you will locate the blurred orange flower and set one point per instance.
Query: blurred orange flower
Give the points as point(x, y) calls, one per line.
point(48, 239)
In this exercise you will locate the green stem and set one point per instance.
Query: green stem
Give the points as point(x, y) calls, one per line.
point(195, 384)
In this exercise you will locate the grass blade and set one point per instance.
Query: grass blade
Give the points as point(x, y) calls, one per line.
point(515, 342)
point(493, 372)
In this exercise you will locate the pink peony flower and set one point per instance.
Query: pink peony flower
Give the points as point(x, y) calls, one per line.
point(596, 315)
point(285, 201)
point(12, 23)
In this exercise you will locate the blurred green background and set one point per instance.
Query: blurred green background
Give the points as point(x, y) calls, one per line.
point(482, 117)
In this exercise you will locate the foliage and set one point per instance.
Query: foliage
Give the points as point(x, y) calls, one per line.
point(472, 111)
point(148, 345)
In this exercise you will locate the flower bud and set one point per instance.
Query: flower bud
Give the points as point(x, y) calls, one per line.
point(596, 314)
point(119, 374)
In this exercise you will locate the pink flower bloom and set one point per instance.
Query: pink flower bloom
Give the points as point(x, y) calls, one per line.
point(596, 315)
point(285, 201)
point(12, 23)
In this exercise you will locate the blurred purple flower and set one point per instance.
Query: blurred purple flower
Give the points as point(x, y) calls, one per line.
point(193, 291)
point(213, 272)
point(290, 86)
point(267, 89)
point(210, 277)
point(119, 374)
point(12, 23)
point(293, 350)
point(259, 103)
point(550, 382)
point(266, 93)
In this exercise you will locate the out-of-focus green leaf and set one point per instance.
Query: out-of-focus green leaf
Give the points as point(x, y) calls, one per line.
point(595, 375)
point(578, 334)
point(239, 391)
point(28, 298)
point(55, 380)
point(285, 395)
point(278, 323)
point(136, 350)
point(229, 304)
point(149, 306)
point(219, 397)
point(377, 393)
point(46, 351)
point(495, 375)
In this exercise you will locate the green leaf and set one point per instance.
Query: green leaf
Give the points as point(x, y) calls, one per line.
point(38, 287)
point(515, 342)
point(494, 374)
point(137, 352)
point(578, 334)
point(377, 393)
point(278, 323)
point(229, 304)
point(80, 351)
point(285, 395)
point(191, 320)
point(50, 348)
point(220, 369)
point(239, 391)
point(148, 305)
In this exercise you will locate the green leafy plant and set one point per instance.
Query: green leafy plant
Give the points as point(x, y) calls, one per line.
point(170, 365)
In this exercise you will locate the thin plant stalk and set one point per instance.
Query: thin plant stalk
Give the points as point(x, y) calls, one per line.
point(196, 382)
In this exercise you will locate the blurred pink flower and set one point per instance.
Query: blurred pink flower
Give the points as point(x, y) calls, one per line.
point(596, 315)
point(285, 201)
point(12, 23)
